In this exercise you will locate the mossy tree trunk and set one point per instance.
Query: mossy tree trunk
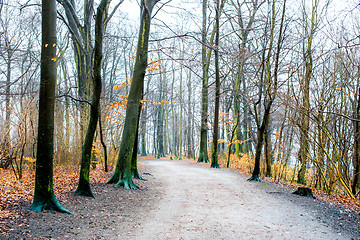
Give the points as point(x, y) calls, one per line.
point(122, 174)
point(84, 188)
point(44, 197)
point(83, 50)
point(203, 155)
point(206, 56)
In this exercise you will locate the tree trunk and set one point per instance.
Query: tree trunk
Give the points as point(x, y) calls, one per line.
point(160, 123)
point(214, 158)
point(259, 145)
point(190, 148)
point(122, 174)
point(143, 132)
point(84, 185)
point(268, 149)
point(160, 132)
point(356, 157)
point(203, 155)
point(44, 197)
point(305, 122)
point(134, 170)
point(271, 88)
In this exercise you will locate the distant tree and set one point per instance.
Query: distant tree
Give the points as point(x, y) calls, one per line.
point(44, 197)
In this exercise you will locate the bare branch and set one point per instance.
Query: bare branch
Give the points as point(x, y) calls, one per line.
point(341, 115)
point(113, 12)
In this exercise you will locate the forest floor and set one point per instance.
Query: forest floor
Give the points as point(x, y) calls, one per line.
point(182, 200)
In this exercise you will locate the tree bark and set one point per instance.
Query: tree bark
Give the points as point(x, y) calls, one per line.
point(203, 155)
point(356, 157)
point(206, 56)
point(122, 174)
point(44, 197)
point(214, 157)
point(84, 188)
point(134, 170)
point(304, 131)
point(268, 149)
point(271, 90)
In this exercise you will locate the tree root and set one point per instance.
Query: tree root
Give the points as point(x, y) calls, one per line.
point(52, 203)
point(136, 175)
point(202, 160)
point(127, 183)
point(254, 178)
point(84, 192)
point(113, 179)
point(84, 188)
point(215, 165)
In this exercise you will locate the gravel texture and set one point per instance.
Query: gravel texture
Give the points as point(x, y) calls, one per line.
point(184, 200)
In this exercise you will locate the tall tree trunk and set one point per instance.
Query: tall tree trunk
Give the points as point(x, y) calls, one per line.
point(214, 158)
point(271, 91)
point(203, 154)
point(160, 123)
point(7, 136)
point(143, 114)
point(122, 174)
point(160, 132)
point(44, 197)
point(143, 132)
point(190, 148)
point(356, 157)
point(84, 184)
point(181, 115)
point(304, 131)
point(206, 56)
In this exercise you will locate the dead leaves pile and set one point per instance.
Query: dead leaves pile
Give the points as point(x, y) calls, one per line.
point(15, 193)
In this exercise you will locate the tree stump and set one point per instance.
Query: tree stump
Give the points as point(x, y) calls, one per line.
point(306, 192)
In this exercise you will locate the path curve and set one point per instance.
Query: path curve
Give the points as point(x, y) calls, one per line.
point(203, 203)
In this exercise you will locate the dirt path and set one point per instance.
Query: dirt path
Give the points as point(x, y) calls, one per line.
point(183, 200)
point(203, 203)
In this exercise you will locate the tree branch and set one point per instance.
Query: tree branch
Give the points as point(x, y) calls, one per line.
point(342, 115)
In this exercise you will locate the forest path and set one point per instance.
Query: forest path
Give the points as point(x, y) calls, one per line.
point(204, 203)
point(184, 200)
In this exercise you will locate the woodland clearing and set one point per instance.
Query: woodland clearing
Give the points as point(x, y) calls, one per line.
point(180, 200)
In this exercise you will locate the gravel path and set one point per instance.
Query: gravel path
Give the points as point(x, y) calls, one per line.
point(183, 200)
point(204, 203)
